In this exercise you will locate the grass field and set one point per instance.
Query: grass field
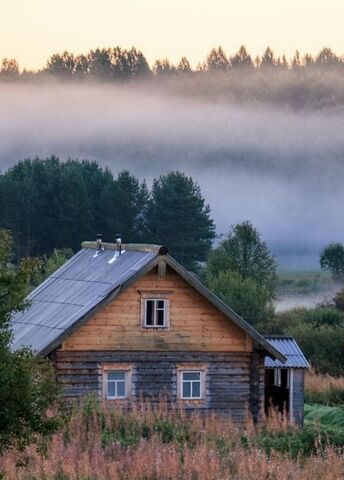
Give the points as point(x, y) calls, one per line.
point(99, 442)
point(302, 283)
point(332, 417)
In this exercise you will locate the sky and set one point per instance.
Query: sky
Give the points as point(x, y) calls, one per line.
point(32, 30)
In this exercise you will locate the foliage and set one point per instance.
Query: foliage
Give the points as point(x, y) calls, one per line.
point(27, 384)
point(57, 205)
point(242, 272)
point(244, 295)
point(338, 300)
point(319, 332)
point(332, 259)
point(244, 252)
point(179, 218)
point(102, 442)
point(13, 282)
point(49, 265)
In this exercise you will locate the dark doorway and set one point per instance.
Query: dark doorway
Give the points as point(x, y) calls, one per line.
point(277, 389)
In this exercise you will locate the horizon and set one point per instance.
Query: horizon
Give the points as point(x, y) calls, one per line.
point(31, 32)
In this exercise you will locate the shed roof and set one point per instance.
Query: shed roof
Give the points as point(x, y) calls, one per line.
point(289, 348)
point(87, 282)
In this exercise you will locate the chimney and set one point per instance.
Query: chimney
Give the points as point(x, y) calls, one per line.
point(119, 243)
point(99, 241)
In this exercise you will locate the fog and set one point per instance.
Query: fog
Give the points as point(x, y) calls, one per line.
point(279, 168)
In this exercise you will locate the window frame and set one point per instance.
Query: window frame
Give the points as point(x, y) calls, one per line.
point(118, 368)
point(191, 368)
point(183, 381)
point(155, 310)
point(155, 297)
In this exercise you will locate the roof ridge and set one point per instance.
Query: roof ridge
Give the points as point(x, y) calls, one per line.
point(130, 247)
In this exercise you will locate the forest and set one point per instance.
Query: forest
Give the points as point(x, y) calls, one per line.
point(234, 155)
point(300, 82)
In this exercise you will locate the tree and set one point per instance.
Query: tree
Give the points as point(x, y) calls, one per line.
point(62, 65)
point(244, 252)
point(332, 259)
point(49, 265)
point(9, 69)
point(179, 218)
point(241, 59)
point(184, 66)
point(130, 207)
point(245, 296)
point(164, 67)
point(217, 61)
point(27, 385)
point(268, 59)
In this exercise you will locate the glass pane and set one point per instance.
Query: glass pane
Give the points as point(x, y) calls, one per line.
point(121, 389)
point(116, 375)
point(111, 389)
point(196, 389)
point(191, 376)
point(149, 312)
point(160, 304)
point(186, 389)
point(160, 317)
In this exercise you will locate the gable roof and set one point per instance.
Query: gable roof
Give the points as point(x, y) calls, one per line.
point(290, 349)
point(87, 282)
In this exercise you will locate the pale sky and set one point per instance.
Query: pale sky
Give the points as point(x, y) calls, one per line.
point(32, 30)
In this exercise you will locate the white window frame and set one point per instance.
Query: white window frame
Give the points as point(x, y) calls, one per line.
point(155, 297)
point(191, 397)
point(116, 382)
point(118, 368)
point(155, 310)
point(191, 368)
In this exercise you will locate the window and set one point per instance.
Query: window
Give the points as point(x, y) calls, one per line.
point(155, 312)
point(191, 385)
point(116, 384)
point(116, 381)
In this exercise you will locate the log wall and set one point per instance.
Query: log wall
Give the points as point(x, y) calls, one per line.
point(234, 383)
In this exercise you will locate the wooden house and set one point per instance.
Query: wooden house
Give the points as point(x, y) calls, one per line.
point(129, 322)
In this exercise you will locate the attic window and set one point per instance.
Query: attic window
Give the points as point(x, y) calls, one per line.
point(155, 312)
point(155, 308)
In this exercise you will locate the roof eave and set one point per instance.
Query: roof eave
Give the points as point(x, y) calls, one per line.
point(225, 309)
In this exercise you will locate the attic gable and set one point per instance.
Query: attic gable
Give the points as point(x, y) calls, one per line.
point(195, 323)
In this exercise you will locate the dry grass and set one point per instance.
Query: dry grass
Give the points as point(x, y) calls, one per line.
point(320, 383)
point(103, 443)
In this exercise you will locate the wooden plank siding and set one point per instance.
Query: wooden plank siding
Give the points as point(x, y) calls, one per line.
point(234, 384)
point(195, 324)
point(298, 395)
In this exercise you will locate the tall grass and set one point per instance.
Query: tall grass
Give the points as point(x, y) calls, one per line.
point(324, 389)
point(101, 442)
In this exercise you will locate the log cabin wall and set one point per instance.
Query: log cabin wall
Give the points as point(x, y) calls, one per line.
point(197, 334)
point(234, 384)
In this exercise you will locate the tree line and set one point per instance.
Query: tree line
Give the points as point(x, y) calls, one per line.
point(49, 204)
point(119, 63)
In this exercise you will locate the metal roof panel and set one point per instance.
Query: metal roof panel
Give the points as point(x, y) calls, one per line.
point(289, 348)
point(71, 292)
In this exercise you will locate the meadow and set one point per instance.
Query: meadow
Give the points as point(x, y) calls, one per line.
point(100, 442)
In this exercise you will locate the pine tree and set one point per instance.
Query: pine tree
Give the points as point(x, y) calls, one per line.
point(179, 218)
